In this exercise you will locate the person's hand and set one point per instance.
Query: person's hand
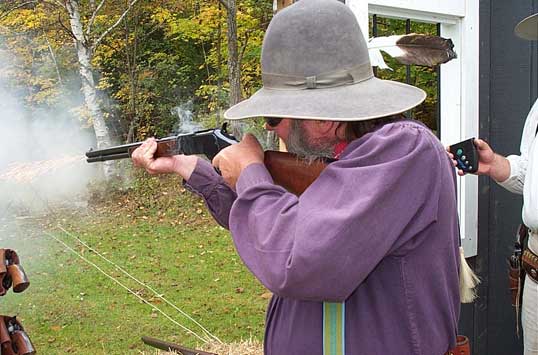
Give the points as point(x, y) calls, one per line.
point(486, 157)
point(143, 157)
point(489, 163)
point(232, 160)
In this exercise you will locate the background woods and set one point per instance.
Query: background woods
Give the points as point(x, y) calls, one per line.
point(139, 61)
point(131, 69)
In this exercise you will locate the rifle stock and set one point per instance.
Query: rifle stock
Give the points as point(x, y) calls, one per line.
point(291, 172)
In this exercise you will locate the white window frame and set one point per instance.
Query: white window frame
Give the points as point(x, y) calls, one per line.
point(459, 21)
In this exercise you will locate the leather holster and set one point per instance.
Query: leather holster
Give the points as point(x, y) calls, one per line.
point(462, 346)
point(514, 279)
point(11, 272)
point(13, 338)
point(5, 280)
point(530, 264)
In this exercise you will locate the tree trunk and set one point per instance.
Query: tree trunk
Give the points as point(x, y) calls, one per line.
point(219, 66)
point(280, 4)
point(233, 54)
point(234, 67)
point(53, 57)
point(277, 6)
point(84, 55)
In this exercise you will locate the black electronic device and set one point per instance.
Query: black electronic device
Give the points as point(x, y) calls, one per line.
point(466, 155)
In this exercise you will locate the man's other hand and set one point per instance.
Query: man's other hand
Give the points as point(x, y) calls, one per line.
point(232, 160)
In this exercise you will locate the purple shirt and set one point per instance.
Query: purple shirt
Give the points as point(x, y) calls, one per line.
point(377, 229)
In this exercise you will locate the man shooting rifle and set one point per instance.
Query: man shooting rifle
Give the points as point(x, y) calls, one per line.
point(365, 260)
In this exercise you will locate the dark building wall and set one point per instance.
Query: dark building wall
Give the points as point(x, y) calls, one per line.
point(508, 88)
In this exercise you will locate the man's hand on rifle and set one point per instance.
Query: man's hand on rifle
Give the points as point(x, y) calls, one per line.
point(231, 161)
point(143, 157)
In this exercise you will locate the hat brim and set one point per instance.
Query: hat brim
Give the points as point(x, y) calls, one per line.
point(370, 99)
point(528, 28)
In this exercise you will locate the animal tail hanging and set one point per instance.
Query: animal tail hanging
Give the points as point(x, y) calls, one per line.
point(468, 280)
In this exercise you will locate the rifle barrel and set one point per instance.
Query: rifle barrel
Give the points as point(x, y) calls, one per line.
point(207, 142)
point(120, 149)
point(104, 157)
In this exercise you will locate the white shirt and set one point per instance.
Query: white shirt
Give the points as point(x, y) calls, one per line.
point(524, 175)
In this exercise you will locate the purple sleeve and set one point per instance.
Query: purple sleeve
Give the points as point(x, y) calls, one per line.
point(362, 208)
point(218, 196)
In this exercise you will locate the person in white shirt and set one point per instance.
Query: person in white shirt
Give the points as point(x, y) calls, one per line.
point(519, 174)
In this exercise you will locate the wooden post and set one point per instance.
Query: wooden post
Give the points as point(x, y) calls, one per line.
point(283, 3)
point(279, 5)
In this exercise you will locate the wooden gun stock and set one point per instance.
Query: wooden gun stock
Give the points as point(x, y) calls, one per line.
point(291, 172)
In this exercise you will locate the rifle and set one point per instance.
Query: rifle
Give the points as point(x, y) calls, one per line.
point(287, 169)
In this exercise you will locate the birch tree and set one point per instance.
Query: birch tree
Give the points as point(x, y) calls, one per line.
point(86, 40)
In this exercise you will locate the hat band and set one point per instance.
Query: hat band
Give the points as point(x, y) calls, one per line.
point(350, 76)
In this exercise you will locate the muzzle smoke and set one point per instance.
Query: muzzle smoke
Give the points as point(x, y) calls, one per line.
point(41, 154)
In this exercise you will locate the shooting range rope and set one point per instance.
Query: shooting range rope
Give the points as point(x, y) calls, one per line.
point(159, 295)
point(207, 334)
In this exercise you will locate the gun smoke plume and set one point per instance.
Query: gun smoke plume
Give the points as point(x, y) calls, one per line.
point(41, 159)
point(185, 123)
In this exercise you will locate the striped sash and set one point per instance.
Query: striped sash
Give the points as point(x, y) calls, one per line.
point(334, 320)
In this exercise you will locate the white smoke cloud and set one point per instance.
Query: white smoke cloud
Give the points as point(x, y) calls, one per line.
point(185, 116)
point(38, 152)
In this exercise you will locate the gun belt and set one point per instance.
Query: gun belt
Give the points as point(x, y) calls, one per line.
point(530, 264)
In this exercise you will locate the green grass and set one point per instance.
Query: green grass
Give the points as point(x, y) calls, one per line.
point(160, 234)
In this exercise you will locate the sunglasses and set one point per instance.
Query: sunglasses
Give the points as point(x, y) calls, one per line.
point(272, 121)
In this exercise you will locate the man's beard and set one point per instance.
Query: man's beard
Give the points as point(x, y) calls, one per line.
point(303, 146)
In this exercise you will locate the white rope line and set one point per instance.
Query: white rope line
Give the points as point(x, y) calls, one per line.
point(207, 332)
point(127, 288)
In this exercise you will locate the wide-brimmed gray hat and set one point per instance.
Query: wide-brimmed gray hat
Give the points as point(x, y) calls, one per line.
point(528, 28)
point(315, 65)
